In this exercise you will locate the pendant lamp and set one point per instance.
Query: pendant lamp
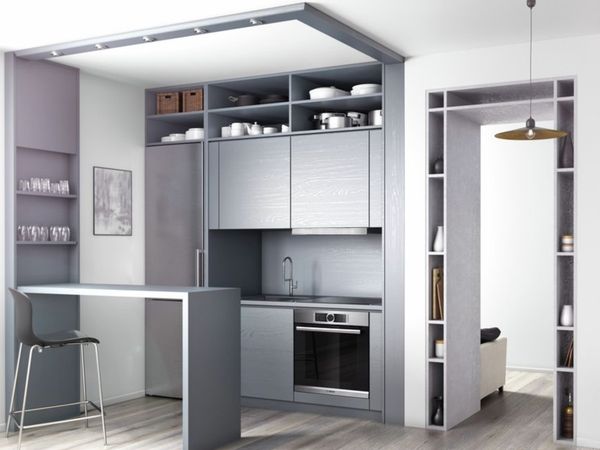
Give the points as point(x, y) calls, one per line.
point(530, 131)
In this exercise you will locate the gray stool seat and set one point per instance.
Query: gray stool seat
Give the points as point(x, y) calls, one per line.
point(27, 336)
point(66, 337)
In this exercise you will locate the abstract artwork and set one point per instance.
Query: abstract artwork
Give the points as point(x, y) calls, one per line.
point(112, 202)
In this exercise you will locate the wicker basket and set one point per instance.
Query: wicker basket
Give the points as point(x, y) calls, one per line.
point(168, 102)
point(193, 100)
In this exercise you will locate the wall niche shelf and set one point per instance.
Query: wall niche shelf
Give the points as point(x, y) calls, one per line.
point(454, 118)
point(51, 243)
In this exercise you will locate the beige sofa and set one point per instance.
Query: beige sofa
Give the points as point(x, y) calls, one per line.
point(493, 366)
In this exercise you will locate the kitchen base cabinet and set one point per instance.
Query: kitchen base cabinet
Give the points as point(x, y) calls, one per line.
point(268, 353)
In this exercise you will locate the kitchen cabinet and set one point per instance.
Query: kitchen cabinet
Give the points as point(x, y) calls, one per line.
point(375, 179)
point(254, 183)
point(330, 180)
point(268, 353)
point(174, 224)
point(376, 361)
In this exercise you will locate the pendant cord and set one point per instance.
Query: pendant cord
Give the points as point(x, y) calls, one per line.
point(530, 59)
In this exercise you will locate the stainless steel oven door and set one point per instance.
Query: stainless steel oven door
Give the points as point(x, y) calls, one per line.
point(331, 353)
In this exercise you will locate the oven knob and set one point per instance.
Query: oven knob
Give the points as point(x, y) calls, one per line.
point(330, 317)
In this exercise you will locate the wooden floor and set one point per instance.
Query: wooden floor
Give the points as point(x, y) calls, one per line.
point(521, 418)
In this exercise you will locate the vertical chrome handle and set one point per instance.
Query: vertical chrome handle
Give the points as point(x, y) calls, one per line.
point(198, 256)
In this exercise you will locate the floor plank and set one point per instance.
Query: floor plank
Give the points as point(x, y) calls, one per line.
point(521, 418)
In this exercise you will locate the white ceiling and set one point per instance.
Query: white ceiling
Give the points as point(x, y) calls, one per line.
point(411, 28)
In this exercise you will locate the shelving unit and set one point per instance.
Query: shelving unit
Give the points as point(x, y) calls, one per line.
point(564, 378)
point(453, 122)
point(297, 111)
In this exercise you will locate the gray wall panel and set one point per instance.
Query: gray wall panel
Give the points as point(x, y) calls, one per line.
point(324, 265)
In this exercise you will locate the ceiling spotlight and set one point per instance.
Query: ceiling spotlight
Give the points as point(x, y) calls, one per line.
point(56, 53)
point(256, 22)
point(148, 39)
point(199, 30)
point(100, 46)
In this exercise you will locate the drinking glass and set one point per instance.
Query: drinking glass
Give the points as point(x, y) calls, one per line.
point(22, 234)
point(44, 233)
point(36, 185)
point(34, 232)
point(55, 188)
point(65, 234)
point(45, 184)
point(24, 185)
point(64, 187)
point(55, 233)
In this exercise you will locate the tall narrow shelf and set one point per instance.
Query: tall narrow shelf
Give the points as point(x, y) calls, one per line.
point(565, 335)
point(436, 260)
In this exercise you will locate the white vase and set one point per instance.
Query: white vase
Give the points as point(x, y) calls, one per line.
point(566, 316)
point(438, 242)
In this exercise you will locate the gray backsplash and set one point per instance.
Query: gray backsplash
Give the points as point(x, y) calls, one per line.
point(323, 265)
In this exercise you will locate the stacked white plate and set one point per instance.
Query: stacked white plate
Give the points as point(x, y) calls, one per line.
point(193, 134)
point(365, 89)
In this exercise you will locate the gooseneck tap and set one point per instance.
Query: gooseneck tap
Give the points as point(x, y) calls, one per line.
point(289, 279)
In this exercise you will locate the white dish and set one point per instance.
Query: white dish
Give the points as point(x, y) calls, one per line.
point(326, 92)
point(166, 139)
point(226, 131)
point(365, 89)
point(270, 130)
point(177, 137)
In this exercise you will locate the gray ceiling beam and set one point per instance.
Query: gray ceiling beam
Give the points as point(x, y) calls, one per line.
point(302, 12)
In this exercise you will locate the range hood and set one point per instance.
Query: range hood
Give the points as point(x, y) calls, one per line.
point(328, 231)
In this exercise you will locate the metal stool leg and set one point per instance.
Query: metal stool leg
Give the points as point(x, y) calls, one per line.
point(100, 393)
point(25, 397)
point(85, 398)
point(14, 389)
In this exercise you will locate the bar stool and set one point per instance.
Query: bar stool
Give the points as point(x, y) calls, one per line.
point(26, 336)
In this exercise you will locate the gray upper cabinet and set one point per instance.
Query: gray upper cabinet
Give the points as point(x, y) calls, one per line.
point(330, 180)
point(376, 178)
point(268, 353)
point(173, 214)
point(254, 183)
point(47, 117)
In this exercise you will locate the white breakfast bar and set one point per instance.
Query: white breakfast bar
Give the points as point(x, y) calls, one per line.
point(211, 353)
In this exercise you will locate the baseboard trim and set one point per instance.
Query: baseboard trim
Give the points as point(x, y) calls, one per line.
point(125, 397)
point(588, 443)
point(529, 369)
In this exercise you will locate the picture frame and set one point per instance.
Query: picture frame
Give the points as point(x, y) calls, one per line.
point(113, 198)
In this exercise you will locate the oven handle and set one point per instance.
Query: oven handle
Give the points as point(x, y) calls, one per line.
point(329, 330)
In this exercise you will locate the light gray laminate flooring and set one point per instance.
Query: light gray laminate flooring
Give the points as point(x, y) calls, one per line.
point(521, 418)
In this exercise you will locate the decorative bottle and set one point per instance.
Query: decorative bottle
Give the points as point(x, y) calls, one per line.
point(438, 242)
point(438, 415)
point(567, 420)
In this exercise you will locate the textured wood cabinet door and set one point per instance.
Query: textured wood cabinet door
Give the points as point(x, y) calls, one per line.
point(268, 353)
point(376, 178)
point(330, 180)
point(254, 183)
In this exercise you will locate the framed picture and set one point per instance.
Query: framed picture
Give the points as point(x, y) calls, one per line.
point(112, 202)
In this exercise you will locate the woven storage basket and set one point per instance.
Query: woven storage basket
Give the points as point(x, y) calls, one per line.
point(193, 100)
point(168, 102)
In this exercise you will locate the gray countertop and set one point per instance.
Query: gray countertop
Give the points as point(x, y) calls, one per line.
point(324, 302)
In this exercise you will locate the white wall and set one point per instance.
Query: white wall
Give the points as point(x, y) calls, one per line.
point(2, 224)
point(517, 245)
point(112, 135)
point(565, 57)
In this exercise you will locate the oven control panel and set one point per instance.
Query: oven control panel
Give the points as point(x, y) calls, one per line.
point(329, 317)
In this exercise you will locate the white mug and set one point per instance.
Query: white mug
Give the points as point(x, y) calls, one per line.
point(226, 131)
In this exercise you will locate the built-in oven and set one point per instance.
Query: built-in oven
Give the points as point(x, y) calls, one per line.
point(331, 352)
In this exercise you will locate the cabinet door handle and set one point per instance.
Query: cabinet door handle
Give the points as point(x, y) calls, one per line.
point(328, 330)
point(199, 268)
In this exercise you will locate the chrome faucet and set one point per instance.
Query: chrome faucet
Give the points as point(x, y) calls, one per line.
point(290, 279)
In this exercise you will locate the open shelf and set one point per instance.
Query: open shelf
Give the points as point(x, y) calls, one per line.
point(436, 360)
point(45, 194)
point(188, 141)
point(361, 103)
point(46, 243)
point(270, 113)
point(191, 119)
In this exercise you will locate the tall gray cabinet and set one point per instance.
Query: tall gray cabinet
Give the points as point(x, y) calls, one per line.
point(42, 140)
point(174, 254)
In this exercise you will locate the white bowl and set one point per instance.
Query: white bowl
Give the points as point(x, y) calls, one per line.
point(166, 139)
point(365, 89)
point(270, 130)
point(177, 136)
point(326, 92)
